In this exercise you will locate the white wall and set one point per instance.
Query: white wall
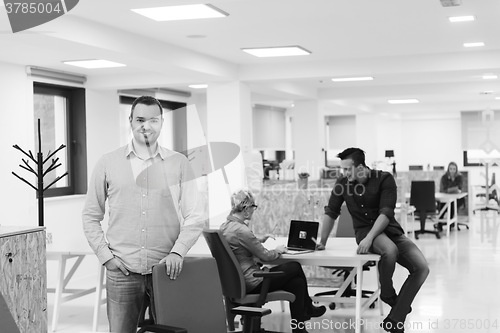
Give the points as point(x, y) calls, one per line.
point(430, 141)
point(18, 201)
point(269, 128)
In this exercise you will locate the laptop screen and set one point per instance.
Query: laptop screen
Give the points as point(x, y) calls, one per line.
point(302, 233)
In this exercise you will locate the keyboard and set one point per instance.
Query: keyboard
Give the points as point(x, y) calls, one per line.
point(291, 251)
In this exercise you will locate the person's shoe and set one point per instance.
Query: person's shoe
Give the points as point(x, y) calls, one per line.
point(316, 311)
point(391, 326)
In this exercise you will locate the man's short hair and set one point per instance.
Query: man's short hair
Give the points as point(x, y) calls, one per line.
point(146, 100)
point(355, 154)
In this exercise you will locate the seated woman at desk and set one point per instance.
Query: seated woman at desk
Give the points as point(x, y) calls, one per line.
point(249, 251)
point(451, 182)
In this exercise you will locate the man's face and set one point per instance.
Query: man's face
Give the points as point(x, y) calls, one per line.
point(146, 123)
point(350, 171)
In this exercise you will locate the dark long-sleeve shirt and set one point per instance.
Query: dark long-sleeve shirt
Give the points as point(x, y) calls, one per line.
point(447, 182)
point(366, 202)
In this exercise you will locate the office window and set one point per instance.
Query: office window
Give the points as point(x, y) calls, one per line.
point(61, 111)
point(480, 136)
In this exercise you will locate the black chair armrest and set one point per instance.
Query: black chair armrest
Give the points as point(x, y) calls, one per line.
point(162, 329)
point(250, 311)
point(270, 275)
point(265, 284)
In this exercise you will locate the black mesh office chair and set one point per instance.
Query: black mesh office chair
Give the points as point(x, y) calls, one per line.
point(345, 229)
point(423, 198)
point(233, 282)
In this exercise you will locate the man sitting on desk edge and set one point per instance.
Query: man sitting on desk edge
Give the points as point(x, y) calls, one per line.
point(370, 196)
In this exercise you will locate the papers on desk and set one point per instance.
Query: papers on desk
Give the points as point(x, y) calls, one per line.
point(271, 244)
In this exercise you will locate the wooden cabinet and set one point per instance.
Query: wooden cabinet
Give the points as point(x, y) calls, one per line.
point(23, 277)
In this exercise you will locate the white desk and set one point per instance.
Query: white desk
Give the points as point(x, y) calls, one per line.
point(450, 200)
point(339, 252)
point(404, 211)
point(63, 278)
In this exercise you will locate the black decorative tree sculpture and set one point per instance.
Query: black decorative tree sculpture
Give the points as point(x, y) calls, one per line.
point(40, 172)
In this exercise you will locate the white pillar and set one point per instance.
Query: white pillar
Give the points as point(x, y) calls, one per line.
point(229, 119)
point(307, 135)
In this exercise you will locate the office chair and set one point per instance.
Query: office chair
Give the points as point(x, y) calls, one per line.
point(193, 302)
point(423, 197)
point(345, 229)
point(233, 282)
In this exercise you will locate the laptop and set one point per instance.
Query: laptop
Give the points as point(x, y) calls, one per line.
point(302, 237)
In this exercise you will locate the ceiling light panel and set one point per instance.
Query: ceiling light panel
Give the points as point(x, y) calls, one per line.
point(94, 63)
point(198, 86)
point(184, 12)
point(403, 101)
point(350, 79)
point(490, 77)
point(466, 18)
point(474, 44)
point(279, 51)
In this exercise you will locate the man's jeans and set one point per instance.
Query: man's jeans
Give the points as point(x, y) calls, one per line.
point(126, 296)
point(402, 250)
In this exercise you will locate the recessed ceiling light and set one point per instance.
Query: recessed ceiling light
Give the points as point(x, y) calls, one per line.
point(278, 51)
point(348, 79)
point(94, 63)
point(498, 97)
point(403, 101)
point(474, 44)
point(198, 86)
point(490, 76)
point(466, 18)
point(183, 12)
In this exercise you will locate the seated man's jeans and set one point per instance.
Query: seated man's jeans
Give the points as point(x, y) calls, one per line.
point(402, 250)
point(126, 296)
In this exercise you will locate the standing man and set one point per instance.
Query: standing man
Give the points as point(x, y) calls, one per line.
point(370, 196)
point(153, 215)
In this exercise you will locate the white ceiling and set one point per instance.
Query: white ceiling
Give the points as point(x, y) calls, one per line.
point(409, 47)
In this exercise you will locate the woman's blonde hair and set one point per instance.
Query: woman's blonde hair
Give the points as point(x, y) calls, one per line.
point(241, 199)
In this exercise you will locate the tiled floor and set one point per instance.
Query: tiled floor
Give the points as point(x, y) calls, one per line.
point(460, 295)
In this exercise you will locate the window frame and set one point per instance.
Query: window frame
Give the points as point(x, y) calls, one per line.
point(76, 149)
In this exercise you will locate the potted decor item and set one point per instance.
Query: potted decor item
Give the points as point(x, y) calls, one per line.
point(302, 181)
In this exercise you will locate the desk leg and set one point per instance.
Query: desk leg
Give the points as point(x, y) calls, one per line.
point(379, 301)
point(359, 292)
point(448, 218)
point(98, 297)
point(404, 220)
point(58, 292)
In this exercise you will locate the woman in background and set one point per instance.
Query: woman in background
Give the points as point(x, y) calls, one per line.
point(451, 182)
point(249, 252)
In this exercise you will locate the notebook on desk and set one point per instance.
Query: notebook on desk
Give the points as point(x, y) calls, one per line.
point(302, 237)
